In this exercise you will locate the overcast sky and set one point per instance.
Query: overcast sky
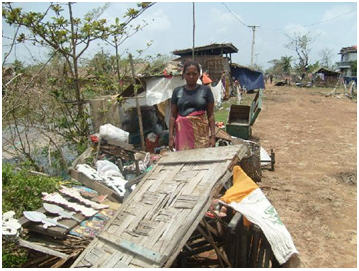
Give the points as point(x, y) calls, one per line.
point(333, 25)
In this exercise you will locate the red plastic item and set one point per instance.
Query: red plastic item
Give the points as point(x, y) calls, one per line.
point(150, 146)
point(94, 138)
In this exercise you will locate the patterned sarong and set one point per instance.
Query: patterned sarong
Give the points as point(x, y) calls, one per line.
point(192, 131)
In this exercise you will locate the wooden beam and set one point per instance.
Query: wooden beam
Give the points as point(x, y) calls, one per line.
point(42, 249)
point(134, 248)
point(137, 104)
point(100, 188)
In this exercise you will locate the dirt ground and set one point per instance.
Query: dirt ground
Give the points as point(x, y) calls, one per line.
point(313, 187)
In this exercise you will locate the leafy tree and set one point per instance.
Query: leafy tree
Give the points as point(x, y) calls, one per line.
point(282, 66)
point(18, 66)
point(101, 63)
point(52, 99)
point(70, 36)
point(313, 67)
point(353, 67)
point(155, 64)
point(121, 31)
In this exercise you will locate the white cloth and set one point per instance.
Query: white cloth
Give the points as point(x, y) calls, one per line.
point(239, 96)
point(89, 172)
point(112, 176)
point(157, 91)
point(160, 89)
point(218, 91)
point(257, 209)
point(107, 173)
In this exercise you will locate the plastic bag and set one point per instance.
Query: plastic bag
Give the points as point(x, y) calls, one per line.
point(113, 135)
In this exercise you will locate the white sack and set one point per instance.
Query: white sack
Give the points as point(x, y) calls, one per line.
point(258, 210)
point(113, 135)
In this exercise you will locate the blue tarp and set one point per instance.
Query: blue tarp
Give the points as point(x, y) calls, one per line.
point(247, 78)
point(348, 79)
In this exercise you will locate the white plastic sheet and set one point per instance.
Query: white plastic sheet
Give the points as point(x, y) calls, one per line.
point(157, 91)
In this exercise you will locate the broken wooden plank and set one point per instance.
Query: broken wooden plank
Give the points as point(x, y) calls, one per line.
point(54, 231)
point(206, 155)
point(100, 188)
point(42, 249)
point(134, 248)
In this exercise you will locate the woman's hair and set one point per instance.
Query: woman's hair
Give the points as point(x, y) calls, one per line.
point(190, 63)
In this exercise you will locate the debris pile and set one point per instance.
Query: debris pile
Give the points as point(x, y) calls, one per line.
point(59, 231)
point(116, 164)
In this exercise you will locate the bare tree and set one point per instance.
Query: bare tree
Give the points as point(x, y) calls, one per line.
point(326, 56)
point(301, 44)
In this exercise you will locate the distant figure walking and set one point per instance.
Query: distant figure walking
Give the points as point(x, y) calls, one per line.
point(271, 78)
point(238, 91)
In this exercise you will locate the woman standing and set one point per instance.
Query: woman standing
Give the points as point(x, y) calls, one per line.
point(192, 116)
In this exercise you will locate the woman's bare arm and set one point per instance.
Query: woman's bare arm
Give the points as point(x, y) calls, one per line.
point(172, 125)
point(210, 115)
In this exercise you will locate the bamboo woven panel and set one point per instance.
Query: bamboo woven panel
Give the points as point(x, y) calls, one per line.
point(154, 223)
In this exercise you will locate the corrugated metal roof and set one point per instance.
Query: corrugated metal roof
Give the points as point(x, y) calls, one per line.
point(325, 70)
point(212, 49)
point(348, 49)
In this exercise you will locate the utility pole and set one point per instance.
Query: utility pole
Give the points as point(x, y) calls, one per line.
point(253, 41)
point(194, 27)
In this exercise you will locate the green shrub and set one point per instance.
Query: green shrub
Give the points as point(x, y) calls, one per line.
point(21, 191)
point(12, 255)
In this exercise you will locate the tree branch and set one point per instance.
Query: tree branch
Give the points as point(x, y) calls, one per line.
point(12, 45)
point(84, 49)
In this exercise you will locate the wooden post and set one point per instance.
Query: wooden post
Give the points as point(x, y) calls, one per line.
point(137, 104)
point(194, 28)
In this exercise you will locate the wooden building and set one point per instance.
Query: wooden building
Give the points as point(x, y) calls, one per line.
point(214, 58)
point(325, 78)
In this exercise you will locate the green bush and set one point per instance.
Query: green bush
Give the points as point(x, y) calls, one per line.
point(12, 255)
point(21, 191)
